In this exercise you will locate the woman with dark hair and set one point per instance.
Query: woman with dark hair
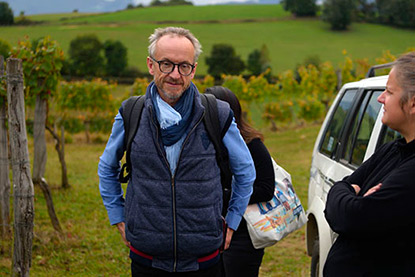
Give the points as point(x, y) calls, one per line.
point(372, 210)
point(242, 259)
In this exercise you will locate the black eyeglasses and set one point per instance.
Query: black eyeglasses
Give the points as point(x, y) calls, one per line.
point(166, 66)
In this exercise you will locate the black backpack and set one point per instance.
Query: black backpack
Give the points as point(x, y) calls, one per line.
point(131, 114)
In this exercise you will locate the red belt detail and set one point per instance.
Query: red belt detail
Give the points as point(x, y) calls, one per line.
point(208, 257)
point(144, 255)
point(199, 260)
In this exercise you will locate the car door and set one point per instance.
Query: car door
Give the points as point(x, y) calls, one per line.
point(341, 148)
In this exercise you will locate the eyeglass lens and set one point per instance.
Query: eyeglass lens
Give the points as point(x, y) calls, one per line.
point(167, 67)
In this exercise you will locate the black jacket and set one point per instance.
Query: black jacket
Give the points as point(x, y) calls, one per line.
point(264, 185)
point(376, 232)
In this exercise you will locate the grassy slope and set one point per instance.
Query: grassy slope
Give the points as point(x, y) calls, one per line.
point(178, 13)
point(289, 41)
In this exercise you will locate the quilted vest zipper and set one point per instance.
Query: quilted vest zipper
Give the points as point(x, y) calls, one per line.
point(174, 194)
point(173, 181)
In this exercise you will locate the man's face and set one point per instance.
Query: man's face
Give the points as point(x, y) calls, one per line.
point(177, 50)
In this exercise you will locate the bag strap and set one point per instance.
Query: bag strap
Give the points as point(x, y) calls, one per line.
point(216, 133)
point(131, 114)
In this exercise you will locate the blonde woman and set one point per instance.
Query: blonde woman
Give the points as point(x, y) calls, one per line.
point(373, 209)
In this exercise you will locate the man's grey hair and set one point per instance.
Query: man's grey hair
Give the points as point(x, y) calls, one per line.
point(174, 31)
point(405, 75)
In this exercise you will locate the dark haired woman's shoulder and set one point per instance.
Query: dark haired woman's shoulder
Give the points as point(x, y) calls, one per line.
point(256, 146)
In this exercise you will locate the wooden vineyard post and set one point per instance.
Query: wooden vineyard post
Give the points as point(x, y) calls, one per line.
point(4, 171)
point(23, 192)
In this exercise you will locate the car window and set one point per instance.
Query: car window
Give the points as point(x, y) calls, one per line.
point(387, 135)
point(362, 128)
point(334, 127)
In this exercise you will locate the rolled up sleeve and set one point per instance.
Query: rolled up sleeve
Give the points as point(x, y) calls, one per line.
point(108, 171)
point(243, 170)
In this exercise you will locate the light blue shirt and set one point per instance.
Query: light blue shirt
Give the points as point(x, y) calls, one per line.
point(240, 161)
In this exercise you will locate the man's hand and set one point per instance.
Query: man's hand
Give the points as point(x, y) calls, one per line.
point(121, 229)
point(229, 234)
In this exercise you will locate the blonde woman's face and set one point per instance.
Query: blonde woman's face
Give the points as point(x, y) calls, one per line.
point(394, 114)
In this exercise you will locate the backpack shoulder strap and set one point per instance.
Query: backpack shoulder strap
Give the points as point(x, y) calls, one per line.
point(216, 133)
point(131, 114)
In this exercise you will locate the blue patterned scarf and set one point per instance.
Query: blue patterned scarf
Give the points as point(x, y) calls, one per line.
point(184, 106)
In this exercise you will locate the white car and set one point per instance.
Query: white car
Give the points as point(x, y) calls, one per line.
point(350, 133)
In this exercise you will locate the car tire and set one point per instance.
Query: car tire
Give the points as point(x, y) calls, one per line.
point(315, 259)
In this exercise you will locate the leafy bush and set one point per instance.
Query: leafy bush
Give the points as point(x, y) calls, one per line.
point(4, 48)
point(139, 87)
point(223, 60)
point(85, 55)
point(42, 63)
point(86, 102)
point(202, 85)
point(300, 7)
point(258, 61)
point(116, 57)
point(310, 108)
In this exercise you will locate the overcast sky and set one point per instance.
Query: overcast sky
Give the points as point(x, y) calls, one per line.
point(67, 6)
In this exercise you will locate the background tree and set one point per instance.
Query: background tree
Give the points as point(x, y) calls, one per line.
point(399, 13)
point(366, 10)
point(258, 61)
point(300, 7)
point(156, 3)
point(6, 14)
point(85, 54)
point(170, 3)
point(338, 13)
point(116, 56)
point(179, 2)
point(254, 64)
point(223, 60)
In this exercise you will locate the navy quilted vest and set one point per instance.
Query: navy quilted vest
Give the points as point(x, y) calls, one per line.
point(174, 218)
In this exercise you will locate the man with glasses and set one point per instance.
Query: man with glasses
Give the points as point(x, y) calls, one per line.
point(172, 216)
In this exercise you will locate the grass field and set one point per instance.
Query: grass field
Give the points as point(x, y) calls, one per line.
point(89, 246)
point(246, 27)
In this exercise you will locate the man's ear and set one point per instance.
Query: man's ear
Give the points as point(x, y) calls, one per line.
point(150, 65)
point(194, 71)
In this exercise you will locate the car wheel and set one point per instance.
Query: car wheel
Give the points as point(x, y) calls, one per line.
point(315, 259)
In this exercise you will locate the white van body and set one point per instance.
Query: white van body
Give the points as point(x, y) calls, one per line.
point(350, 133)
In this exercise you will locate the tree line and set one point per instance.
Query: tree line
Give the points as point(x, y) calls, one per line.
point(89, 57)
point(338, 13)
point(341, 13)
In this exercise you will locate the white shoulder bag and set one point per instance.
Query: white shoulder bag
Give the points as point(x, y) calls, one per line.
point(269, 222)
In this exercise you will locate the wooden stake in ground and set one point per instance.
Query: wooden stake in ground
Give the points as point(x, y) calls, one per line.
point(40, 157)
point(60, 148)
point(23, 191)
point(4, 172)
